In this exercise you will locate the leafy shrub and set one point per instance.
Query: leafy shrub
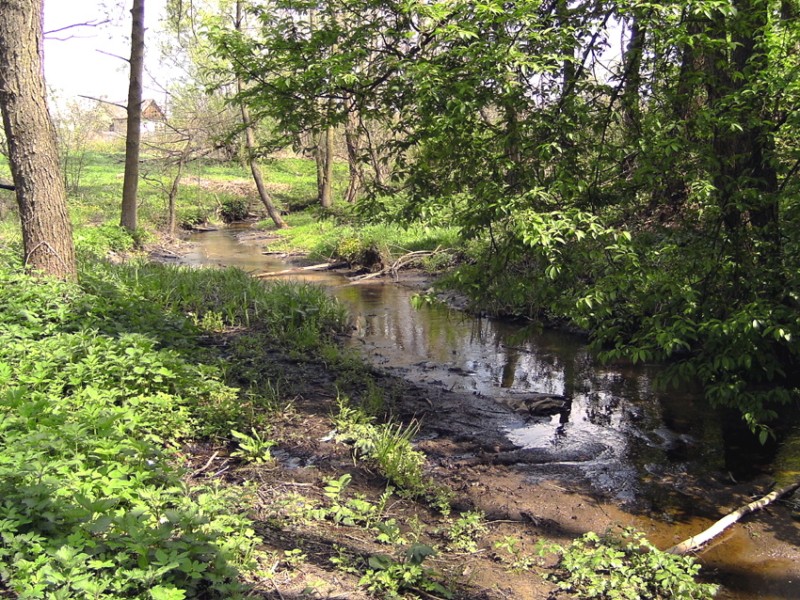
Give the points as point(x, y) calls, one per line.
point(390, 577)
point(234, 209)
point(627, 567)
point(91, 508)
point(465, 531)
point(192, 217)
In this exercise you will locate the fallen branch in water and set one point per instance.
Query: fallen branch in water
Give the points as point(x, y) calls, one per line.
point(320, 267)
point(694, 542)
point(401, 262)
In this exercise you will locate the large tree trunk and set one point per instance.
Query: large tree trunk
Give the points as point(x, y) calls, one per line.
point(250, 143)
point(133, 135)
point(33, 152)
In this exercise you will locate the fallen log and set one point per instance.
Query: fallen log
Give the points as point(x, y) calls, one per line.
point(696, 541)
point(319, 267)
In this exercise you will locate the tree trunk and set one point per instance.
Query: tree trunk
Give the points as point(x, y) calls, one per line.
point(250, 143)
point(173, 192)
point(745, 177)
point(326, 198)
point(33, 152)
point(133, 134)
point(319, 160)
point(696, 541)
point(353, 143)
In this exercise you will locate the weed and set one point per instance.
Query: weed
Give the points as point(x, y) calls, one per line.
point(626, 566)
point(389, 532)
point(294, 558)
point(513, 556)
point(465, 531)
point(390, 577)
point(350, 512)
point(252, 448)
point(347, 562)
point(388, 446)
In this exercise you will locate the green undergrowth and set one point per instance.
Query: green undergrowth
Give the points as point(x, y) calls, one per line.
point(388, 447)
point(625, 565)
point(360, 244)
point(99, 383)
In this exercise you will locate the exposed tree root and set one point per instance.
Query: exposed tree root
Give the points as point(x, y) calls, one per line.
point(696, 541)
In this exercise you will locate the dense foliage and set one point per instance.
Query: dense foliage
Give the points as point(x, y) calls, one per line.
point(627, 166)
point(98, 385)
point(627, 566)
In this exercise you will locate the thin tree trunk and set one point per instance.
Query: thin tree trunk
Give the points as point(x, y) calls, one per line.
point(319, 159)
point(353, 143)
point(250, 143)
point(326, 199)
point(173, 192)
point(33, 151)
point(133, 134)
point(375, 159)
point(633, 77)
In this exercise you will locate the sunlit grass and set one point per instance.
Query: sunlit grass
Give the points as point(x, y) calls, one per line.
point(327, 238)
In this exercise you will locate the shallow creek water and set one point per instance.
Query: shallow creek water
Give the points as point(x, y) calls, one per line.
point(631, 442)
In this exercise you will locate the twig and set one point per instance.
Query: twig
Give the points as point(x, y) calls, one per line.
point(205, 466)
point(277, 591)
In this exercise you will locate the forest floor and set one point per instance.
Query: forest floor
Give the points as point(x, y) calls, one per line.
point(521, 505)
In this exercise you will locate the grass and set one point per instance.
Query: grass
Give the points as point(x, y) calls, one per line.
point(328, 238)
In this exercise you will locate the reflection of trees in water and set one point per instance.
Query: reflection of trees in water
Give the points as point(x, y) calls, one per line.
point(495, 356)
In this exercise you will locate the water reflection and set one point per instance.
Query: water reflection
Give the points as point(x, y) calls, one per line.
point(626, 438)
point(640, 432)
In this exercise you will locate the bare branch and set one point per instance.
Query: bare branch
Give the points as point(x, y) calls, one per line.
point(122, 106)
point(74, 26)
point(127, 60)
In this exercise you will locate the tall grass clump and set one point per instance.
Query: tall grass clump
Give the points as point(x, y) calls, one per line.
point(291, 313)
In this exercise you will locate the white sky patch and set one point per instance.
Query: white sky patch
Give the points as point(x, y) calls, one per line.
point(82, 61)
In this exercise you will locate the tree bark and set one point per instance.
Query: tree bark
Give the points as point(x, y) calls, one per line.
point(33, 152)
point(250, 143)
point(133, 134)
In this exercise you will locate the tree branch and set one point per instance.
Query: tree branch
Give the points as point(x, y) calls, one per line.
point(122, 106)
point(696, 541)
point(74, 26)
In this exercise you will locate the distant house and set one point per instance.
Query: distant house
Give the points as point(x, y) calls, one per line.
point(153, 117)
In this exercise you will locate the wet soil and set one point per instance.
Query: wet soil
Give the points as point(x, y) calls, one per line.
point(529, 494)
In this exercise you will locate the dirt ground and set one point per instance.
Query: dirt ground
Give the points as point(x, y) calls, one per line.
point(757, 558)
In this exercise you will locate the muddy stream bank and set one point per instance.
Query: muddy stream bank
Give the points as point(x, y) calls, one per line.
point(663, 462)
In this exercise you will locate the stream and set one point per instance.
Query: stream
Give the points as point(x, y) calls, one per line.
point(629, 441)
